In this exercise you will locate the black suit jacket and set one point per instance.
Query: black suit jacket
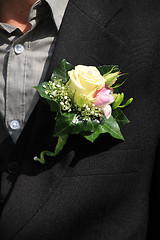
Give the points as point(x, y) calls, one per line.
point(98, 191)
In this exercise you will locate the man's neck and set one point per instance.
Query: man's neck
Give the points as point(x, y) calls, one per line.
point(15, 12)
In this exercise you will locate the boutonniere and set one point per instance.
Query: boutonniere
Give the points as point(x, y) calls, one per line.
point(86, 101)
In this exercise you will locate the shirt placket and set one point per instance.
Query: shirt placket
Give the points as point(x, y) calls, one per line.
point(15, 88)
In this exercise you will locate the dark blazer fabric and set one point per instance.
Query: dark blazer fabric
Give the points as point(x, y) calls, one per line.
point(100, 191)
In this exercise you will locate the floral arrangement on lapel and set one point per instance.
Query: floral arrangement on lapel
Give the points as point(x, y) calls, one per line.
point(86, 102)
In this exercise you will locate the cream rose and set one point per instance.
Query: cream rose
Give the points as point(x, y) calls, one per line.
point(84, 82)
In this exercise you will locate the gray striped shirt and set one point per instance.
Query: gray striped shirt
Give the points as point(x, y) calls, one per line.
point(24, 60)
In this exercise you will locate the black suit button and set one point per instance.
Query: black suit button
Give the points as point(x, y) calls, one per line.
point(13, 167)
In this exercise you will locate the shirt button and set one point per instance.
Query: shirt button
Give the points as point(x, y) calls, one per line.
point(13, 167)
point(18, 48)
point(14, 125)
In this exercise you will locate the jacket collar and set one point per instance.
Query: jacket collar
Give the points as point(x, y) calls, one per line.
point(99, 10)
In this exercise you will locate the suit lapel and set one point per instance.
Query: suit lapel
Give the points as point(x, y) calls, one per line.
point(99, 10)
point(81, 32)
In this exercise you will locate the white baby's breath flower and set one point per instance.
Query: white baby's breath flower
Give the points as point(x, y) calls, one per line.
point(75, 119)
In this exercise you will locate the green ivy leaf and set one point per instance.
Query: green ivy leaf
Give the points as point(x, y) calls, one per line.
point(70, 123)
point(108, 126)
point(41, 90)
point(120, 118)
point(54, 106)
point(61, 71)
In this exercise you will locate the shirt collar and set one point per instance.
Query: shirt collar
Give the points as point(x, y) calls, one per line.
point(58, 8)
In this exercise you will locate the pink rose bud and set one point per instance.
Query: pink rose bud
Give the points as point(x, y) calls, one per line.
point(103, 98)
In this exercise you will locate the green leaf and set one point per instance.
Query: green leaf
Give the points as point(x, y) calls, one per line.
point(54, 106)
point(41, 88)
point(62, 140)
point(106, 69)
point(118, 100)
point(120, 118)
point(108, 126)
point(61, 71)
point(71, 123)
